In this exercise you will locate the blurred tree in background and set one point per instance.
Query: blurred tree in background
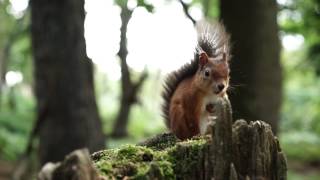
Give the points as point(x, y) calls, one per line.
point(129, 89)
point(68, 118)
point(255, 66)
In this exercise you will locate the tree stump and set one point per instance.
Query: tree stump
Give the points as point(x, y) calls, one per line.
point(238, 151)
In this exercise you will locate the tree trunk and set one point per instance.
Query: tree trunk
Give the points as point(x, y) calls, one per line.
point(121, 121)
point(67, 110)
point(255, 66)
point(129, 89)
point(240, 151)
point(3, 69)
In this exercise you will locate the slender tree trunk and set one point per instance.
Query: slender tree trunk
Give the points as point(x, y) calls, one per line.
point(121, 121)
point(129, 89)
point(4, 58)
point(256, 71)
point(3, 70)
point(67, 110)
point(3, 65)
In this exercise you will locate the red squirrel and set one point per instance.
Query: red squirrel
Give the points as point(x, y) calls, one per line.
point(190, 92)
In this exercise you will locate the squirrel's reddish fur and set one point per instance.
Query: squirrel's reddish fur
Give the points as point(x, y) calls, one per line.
point(188, 90)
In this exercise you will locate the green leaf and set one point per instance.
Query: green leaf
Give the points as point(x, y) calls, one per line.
point(121, 3)
point(148, 7)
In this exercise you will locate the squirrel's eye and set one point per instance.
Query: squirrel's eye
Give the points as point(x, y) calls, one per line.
point(206, 73)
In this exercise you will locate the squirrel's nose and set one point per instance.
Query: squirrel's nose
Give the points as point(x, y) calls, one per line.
point(219, 88)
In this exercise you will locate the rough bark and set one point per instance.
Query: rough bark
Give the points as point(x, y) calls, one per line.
point(77, 166)
point(129, 89)
point(240, 151)
point(255, 66)
point(67, 112)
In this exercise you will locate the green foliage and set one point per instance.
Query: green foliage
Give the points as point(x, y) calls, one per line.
point(15, 126)
point(21, 56)
point(210, 8)
point(300, 122)
point(15, 38)
point(121, 3)
point(148, 6)
point(302, 146)
point(303, 17)
point(7, 21)
point(16, 105)
point(301, 87)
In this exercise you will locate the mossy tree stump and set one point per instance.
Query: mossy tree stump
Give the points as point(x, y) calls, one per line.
point(233, 151)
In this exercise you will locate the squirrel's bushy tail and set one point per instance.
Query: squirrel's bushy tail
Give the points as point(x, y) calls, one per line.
point(213, 40)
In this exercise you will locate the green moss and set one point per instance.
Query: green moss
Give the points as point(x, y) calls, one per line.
point(187, 154)
point(134, 153)
point(161, 141)
point(140, 162)
point(136, 162)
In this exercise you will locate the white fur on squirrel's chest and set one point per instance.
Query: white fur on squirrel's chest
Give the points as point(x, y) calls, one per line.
point(204, 119)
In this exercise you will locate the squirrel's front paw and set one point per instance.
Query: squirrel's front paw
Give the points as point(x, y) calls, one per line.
point(212, 120)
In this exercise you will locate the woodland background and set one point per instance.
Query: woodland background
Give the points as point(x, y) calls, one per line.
point(89, 73)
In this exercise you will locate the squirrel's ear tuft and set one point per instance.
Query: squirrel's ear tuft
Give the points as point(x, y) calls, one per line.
point(203, 59)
